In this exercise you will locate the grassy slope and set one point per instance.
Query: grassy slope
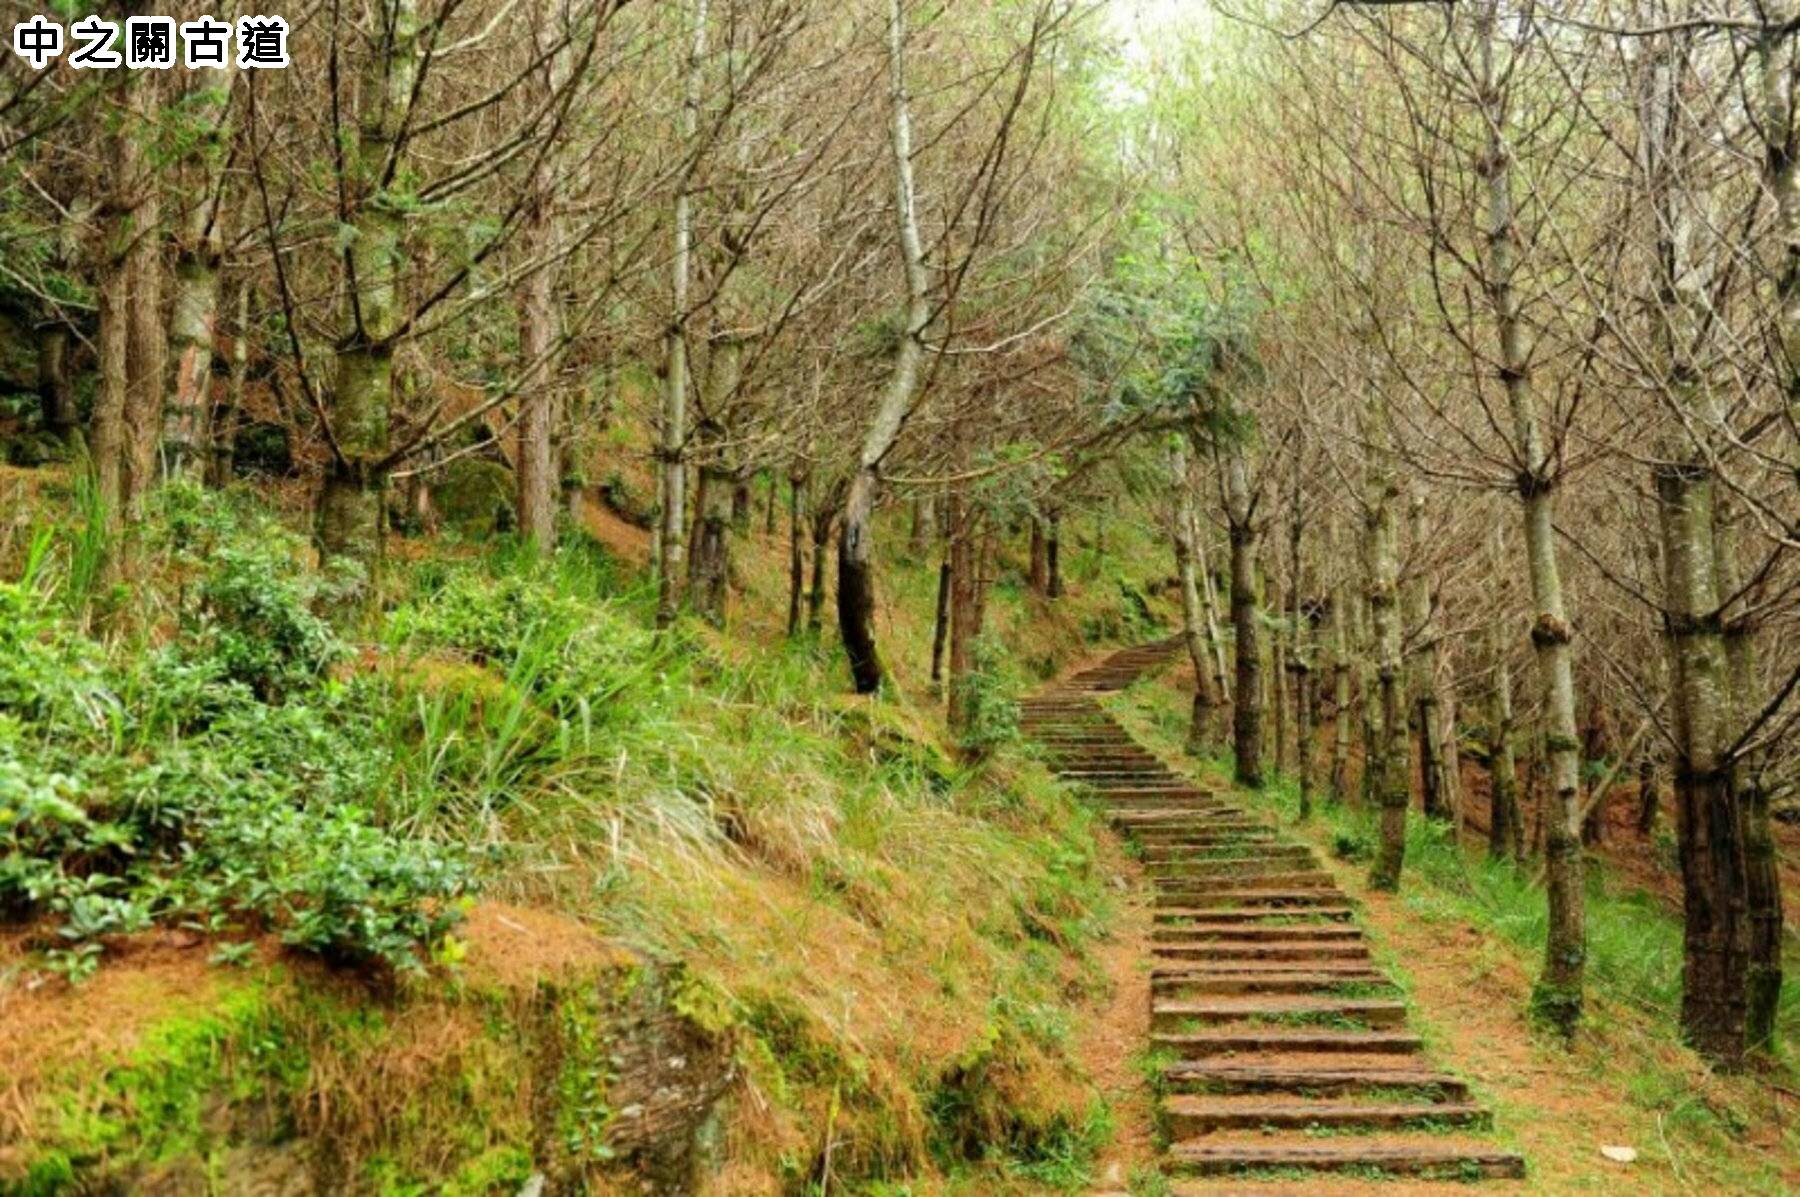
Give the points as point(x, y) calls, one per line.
point(898, 947)
point(1464, 939)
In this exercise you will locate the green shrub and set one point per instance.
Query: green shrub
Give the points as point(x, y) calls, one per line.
point(993, 711)
point(216, 780)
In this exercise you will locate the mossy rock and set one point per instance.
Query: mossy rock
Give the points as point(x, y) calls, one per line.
point(474, 496)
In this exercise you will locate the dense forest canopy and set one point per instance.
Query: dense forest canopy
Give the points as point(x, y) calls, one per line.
point(1449, 354)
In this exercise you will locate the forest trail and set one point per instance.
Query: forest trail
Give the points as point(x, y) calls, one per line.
point(1287, 1049)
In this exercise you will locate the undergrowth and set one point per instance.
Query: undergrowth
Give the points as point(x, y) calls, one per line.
point(896, 923)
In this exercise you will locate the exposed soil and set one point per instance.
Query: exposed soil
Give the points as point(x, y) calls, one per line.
point(1108, 1043)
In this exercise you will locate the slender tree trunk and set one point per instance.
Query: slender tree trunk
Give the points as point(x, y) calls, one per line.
point(709, 568)
point(1247, 708)
point(1279, 661)
point(823, 517)
point(537, 475)
point(222, 425)
point(130, 340)
point(1389, 765)
point(1423, 674)
point(965, 608)
point(350, 514)
point(191, 340)
point(1053, 555)
point(147, 352)
point(856, 537)
point(1762, 862)
point(1716, 939)
point(1649, 797)
point(673, 525)
point(940, 627)
point(1340, 688)
point(796, 551)
point(1300, 663)
point(56, 395)
point(1209, 606)
point(1206, 695)
point(1557, 998)
point(1040, 563)
point(1781, 172)
point(195, 314)
point(1503, 773)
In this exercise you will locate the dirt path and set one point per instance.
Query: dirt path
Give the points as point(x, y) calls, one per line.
point(1282, 1051)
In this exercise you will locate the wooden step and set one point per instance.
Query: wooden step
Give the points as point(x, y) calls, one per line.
point(1310, 982)
point(1200, 1076)
point(1252, 914)
point(1283, 949)
point(1241, 1040)
point(1433, 1158)
point(1185, 890)
point(1173, 1014)
point(1292, 899)
point(1216, 867)
point(1190, 1114)
point(1235, 933)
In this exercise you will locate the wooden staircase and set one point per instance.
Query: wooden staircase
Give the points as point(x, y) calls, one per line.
point(1287, 1049)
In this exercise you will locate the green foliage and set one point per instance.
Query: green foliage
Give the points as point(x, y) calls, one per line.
point(216, 780)
point(253, 610)
point(989, 698)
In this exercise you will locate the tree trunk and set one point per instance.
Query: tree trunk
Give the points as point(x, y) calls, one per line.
point(1053, 555)
point(1193, 633)
point(709, 568)
point(856, 538)
point(1279, 658)
point(350, 512)
point(1247, 709)
point(796, 552)
point(940, 627)
point(147, 338)
point(222, 425)
point(1557, 998)
point(185, 433)
point(965, 608)
point(1503, 776)
point(823, 517)
point(1715, 941)
point(1340, 687)
point(1389, 766)
point(1422, 674)
point(1300, 662)
point(1040, 562)
point(536, 473)
point(1762, 862)
point(191, 340)
point(130, 341)
point(673, 524)
point(1648, 795)
point(56, 395)
point(1209, 605)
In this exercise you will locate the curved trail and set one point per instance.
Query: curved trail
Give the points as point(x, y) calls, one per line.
point(1287, 1049)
